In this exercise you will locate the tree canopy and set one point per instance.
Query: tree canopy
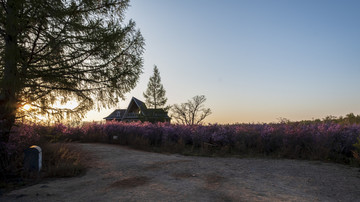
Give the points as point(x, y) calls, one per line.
point(66, 50)
point(155, 92)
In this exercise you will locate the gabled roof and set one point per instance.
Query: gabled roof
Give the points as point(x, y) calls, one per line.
point(139, 103)
point(139, 106)
point(117, 114)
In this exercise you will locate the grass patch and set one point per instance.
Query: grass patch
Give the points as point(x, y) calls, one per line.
point(59, 160)
point(63, 160)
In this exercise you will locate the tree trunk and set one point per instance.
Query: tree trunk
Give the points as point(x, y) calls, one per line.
point(10, 81)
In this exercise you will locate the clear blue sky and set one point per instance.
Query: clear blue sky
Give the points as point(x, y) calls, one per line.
point(254, 60)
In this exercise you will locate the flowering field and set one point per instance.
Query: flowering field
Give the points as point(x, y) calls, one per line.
point(315, 141)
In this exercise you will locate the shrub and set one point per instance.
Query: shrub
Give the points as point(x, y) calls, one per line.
point(62, 160)
point(356, 151)
point(303, 140)
point(59, 160)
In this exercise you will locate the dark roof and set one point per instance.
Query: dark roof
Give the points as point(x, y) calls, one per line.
point(156, 113)
point(139, 103)
point(117, 114)
point(122, 114)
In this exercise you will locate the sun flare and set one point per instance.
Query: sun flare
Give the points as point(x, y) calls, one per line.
point(27, 107)
point(68, 105)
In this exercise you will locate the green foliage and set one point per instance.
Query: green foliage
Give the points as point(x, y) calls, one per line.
point(357, 145)
point(58, 51)
point(155, 92)
point(356, 152)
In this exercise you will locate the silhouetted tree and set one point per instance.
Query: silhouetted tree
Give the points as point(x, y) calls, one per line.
point(155, 92)
point(191, 112)
point(62, 50)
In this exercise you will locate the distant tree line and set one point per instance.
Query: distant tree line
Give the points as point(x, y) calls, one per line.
point(350, 118)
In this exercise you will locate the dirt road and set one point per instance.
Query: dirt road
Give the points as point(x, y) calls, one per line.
point(121, 174)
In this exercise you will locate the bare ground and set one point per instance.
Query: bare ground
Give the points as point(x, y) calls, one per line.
point(118, 173)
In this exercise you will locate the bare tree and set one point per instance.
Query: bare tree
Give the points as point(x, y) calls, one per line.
point(191, 112)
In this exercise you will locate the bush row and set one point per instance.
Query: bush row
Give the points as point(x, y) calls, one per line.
point(314, 141)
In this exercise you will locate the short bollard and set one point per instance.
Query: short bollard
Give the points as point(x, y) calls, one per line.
point(33, 159)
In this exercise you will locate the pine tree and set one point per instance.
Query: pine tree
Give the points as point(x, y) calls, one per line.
point(60, 51)
point(155, 92)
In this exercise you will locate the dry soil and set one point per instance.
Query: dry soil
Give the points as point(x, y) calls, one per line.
point(118, 173)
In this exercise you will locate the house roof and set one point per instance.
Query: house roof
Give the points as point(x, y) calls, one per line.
point(122, 114)
point(117, 114)
point(139, 103)
point(156, 113)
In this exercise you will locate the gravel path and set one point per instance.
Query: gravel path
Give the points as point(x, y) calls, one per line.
point(121, 174)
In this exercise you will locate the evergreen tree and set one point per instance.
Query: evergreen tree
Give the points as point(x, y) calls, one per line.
point(155, 92)
point(65, 50)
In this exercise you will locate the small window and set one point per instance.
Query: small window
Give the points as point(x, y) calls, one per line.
point(118, 114)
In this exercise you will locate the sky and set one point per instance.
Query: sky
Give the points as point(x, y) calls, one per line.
point(256, 61)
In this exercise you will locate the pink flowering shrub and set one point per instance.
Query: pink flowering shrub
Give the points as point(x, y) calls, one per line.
point(301, 140)
point(93, 132)
point(22, 136)
point(57, 160)
point(319, 141)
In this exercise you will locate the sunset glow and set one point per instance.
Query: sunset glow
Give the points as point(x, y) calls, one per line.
point(27, 107)
point(255, 61)
point(68, 105)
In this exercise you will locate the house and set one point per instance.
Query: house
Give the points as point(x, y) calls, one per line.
point(137, 111)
